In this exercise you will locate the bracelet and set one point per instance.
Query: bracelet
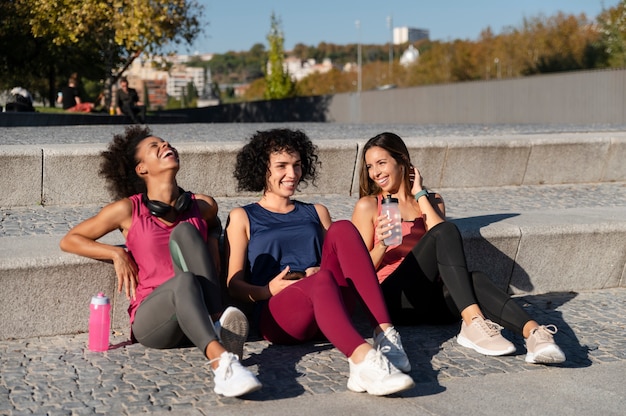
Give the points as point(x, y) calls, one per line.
point(421, 194)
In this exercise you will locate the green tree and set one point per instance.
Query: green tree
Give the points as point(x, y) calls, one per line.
point(191, 95)
point(613, 34)
point(279, 84)
point(86, 36)
point(36, 63)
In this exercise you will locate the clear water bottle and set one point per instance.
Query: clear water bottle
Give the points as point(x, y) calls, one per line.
point(99, 322)
point(391, 209)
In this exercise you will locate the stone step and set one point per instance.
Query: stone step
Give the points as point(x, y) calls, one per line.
point(67, 174)
point(528, 239)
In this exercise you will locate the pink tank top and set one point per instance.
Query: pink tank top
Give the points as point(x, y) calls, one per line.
point(148, 243)
point(412, 232)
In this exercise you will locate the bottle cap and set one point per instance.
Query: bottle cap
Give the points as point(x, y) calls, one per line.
point(389, 199)
point(100, 299)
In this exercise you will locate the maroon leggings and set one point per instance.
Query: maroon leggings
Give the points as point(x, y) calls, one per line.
point(321, 304)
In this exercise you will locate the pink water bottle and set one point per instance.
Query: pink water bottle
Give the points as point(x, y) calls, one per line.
point(99, 323)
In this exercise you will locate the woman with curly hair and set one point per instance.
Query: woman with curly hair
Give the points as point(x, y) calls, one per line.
point(302, 271)
point(172, 303)
point(429, 267)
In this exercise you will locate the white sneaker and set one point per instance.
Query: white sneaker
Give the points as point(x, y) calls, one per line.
point(484, 336)
point(231, 378)
point(390, 344)
point(377, 376)
point(541, 348)
point(232, 330)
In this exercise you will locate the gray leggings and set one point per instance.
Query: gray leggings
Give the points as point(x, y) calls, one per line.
point(177, 313)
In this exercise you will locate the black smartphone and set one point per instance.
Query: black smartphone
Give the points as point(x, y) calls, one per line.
point(294, 275)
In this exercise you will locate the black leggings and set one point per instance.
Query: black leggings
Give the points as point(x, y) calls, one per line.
point(436, 283)
point(177, 313)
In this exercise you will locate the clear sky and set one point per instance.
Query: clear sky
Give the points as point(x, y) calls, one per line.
point(236, 25)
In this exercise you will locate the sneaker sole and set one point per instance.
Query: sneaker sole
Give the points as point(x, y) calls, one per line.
point(380, 390)
point(251, 387)
point(234, 333)
point(548, 355)
point(465, 342)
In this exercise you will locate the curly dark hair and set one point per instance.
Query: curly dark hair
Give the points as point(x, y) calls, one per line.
point(119, 162)
point(253, 159)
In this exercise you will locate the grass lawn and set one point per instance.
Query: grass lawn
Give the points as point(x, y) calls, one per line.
point(49, 110)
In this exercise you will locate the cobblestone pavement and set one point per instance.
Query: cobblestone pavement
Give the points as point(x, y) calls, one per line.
point(58, 220)
point(58, 375)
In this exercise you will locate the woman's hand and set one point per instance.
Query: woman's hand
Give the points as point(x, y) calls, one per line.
point(126, 271)
point(277, 284)
point(416, 180)
point(383, 228)
point(311, 271)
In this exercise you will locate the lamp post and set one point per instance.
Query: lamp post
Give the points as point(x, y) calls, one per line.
point(358, 28)
point(497, 62)
point(390, 27)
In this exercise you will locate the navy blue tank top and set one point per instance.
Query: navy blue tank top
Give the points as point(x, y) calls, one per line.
point(278, 240)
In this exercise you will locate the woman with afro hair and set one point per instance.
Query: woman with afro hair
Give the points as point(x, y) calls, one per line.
point(174, 298)
point(302, 271)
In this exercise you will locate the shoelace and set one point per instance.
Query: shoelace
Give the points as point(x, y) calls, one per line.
point(229, 369)
point(391, 340)
point(491, 328)
point(545, 332)
point(380, 360)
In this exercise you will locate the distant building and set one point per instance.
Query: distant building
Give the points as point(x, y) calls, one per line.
point(157, 93)
point(403, 35)
point(180, 76)
point(184, 59)
point(173, 83)
point(299, 69)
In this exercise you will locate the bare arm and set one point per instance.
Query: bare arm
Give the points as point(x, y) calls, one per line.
point(432, 207)
point(236, 245)
point(324, 215)
point(364, 218)
point(82, 238)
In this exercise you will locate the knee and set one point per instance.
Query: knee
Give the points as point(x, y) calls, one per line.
point(446, 227)
point(185, 236)
point(343, 228)
point(446, 231)
point(183, 229)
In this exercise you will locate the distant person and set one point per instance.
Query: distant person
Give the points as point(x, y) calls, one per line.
point(19, 100)
point(70, 97)
point(127, 102)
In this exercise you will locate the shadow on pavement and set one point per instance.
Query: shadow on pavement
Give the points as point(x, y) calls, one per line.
point(277, 369)
point(544, 309)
